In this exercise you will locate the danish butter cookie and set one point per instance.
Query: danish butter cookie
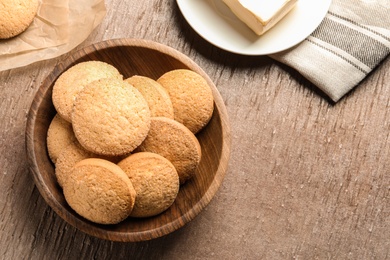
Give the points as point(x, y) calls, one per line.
point(191, 97)
point(155, 181)
point(59, 135)
point(176, 143)
point(110, 117)
point(157, 97)
point(99, 191)
point(69, 83)
point(16, 16)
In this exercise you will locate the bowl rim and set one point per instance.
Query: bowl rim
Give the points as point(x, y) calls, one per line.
point(90, 229)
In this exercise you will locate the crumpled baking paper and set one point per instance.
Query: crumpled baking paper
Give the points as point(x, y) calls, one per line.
point(60, 26)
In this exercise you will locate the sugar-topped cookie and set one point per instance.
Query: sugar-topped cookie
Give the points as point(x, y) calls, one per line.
point(191, 96)
point(99, 191)
point(16, 16)
point(74, 79)
point(155, 181)
point(176, 143)
point(71, 155)
point(110, 117)
point(59, 136)
point(157, 97)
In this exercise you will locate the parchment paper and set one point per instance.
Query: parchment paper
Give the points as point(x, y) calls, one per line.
point(60, 25)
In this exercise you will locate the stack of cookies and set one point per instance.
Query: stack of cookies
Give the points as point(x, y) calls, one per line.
point(123, 147)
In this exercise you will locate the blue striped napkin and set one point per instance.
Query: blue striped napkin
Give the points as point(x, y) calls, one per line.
point(350, 42)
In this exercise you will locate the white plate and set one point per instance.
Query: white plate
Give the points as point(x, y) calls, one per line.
point(215, 22)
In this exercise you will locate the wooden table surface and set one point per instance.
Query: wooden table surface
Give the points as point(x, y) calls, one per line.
point(307, 179)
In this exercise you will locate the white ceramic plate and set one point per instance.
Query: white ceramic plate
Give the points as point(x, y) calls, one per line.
point(215, 22)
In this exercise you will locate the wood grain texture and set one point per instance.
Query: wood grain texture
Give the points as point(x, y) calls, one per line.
point(307, 179)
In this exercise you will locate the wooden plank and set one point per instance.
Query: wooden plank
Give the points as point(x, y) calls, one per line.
point(307, 179)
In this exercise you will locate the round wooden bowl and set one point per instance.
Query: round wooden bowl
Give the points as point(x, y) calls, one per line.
point(130, 57)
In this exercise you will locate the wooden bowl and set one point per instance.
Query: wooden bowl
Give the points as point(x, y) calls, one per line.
point(131, 56)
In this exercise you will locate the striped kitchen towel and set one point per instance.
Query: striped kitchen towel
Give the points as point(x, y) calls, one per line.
point(351, 41)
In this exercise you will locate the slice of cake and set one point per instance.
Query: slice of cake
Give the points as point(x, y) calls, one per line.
point(260, 15)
